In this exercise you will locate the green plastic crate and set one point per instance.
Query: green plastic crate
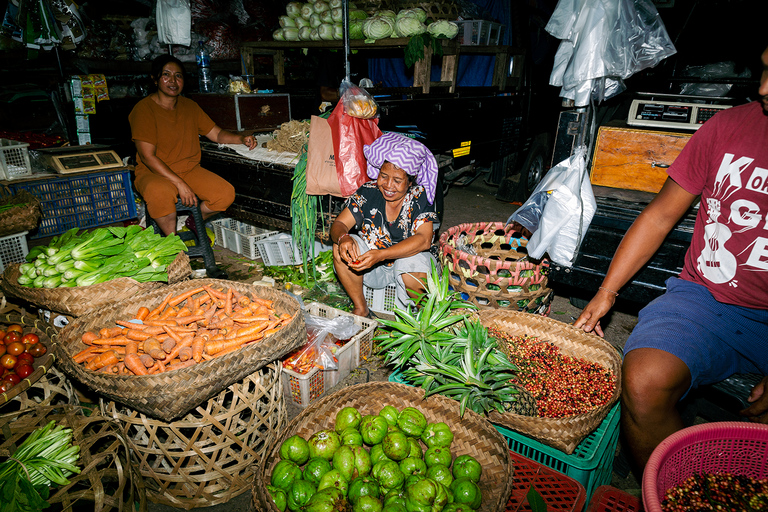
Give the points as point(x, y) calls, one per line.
point(590, 464)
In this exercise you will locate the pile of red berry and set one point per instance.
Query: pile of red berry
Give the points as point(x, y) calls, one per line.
point(18, 352)
point(562, 385)
point(717, 491)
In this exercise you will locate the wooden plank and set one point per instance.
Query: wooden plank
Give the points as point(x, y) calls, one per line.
point(634, 159)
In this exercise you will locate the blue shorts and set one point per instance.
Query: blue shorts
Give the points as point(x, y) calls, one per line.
point(713, 339)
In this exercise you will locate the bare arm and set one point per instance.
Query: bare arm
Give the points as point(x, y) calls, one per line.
point(148, 154)
point(639, 244)
point(221, 136)
point(758, 411)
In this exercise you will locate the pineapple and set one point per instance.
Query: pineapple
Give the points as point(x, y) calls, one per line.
point(523, 403)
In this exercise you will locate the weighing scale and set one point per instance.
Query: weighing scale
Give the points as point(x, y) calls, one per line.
point(674, 111)
point(73, 159)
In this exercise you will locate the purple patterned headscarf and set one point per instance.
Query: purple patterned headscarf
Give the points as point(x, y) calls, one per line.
point(409, 155)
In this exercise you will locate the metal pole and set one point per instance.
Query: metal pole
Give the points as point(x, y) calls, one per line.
point(345, 15)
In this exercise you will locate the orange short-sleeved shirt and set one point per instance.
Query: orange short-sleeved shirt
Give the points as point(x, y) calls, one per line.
point(173, 132)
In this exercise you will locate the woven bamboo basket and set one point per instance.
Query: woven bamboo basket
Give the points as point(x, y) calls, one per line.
point(473, 435)
point(81, 300)
point(107, 480)
point(561, 433)
point(23, 216)
point(498, 276)
point(41, 365)
point(169, 395)
point(207, 457)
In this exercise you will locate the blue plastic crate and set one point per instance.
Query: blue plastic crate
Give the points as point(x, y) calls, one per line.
point(590, 464)
point(81, 201)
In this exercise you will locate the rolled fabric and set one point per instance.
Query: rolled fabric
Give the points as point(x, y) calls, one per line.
point(409, 155)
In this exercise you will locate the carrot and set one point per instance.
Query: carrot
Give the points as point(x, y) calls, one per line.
point(228, 302)
point(110, 332)
point(184, 296)
point(250, 319)
point(88, 337)
point(172, 333)
point(131, 348)
point(169, 312)
point(178, 366)
point(168, 345)
point(185, 341)
point(253, 328)
point(192, 303)
point(198, 343)
point(147, 360)
point(118, 340)
point(130, 325)
point(134, 364)
point(84, 354)
point(218, 294)
point(265, 302)
point(153, 348)
point(184, 320)
point(160, 323)
point(137, 335)
point(233, 348)
point(100, 361)
point(156, 312)
point(214, 346)
point(185, 354)
point(142, 313)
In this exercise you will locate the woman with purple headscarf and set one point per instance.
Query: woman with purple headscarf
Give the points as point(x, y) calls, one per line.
point(383, 234)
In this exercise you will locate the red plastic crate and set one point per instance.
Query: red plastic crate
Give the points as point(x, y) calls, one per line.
point(559, 492)
point(611, 499)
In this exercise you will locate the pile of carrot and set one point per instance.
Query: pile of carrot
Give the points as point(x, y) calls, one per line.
point(197, 325)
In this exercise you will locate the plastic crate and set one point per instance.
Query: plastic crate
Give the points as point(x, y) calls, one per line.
point(479, 32)
point(383, 300)
point(303, 389)
point(81, 201)
point(13, 249)
point(14, 159)
point(279, 250)
point(590, 464)
point(558, 491)
point(247, 242)
point(610, 499)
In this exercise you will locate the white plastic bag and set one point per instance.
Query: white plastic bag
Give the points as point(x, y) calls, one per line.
point(564, 214)
point(174, 22)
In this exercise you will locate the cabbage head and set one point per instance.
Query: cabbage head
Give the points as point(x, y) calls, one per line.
point(315, 20)
point(293, 9)
point(416, 12)
point(305, 33)
point(320, 6)
point(301, 22)
point(326, 17)
point(338, 32)
point(386, 13)
point(408, 26)
point(306, 11)
point(357, 14)
point(337, 14)
point(287, 21)
point(378, 27)
point(356, 29)
point(278, 35)
point(314, 35)
point(334, 4)
point(291, 33)
point(443, 28)
point(325, 31)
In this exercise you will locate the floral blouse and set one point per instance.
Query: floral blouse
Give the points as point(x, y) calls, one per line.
point(369, 210)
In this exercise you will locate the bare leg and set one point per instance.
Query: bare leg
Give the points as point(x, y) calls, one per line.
point(352, 283)
point(167, 224)
point(205, 211)
point(414, 281)
point(653, 382)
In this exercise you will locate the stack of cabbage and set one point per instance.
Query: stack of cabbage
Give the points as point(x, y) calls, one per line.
point(322, 21)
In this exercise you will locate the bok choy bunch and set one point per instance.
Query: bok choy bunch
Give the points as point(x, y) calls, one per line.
point(84, 258)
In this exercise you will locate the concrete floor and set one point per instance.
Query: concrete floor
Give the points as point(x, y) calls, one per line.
point(471, 203)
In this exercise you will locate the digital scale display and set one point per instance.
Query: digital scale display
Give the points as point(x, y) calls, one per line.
point(667, 114)
point(84, 159)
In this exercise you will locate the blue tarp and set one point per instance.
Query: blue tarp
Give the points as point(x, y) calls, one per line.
point(473, 71)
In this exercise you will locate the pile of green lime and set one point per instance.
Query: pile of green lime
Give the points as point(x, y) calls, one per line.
point(375, 463)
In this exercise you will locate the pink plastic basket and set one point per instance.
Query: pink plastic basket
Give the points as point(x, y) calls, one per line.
point(726, 446)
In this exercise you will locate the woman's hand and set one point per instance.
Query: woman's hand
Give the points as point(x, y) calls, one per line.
point(348, 250)
point(250, 141)
point(366, 260)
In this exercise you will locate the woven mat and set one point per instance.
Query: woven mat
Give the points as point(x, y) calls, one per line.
point(81, 300)
point(169, 395)
point(473, 435)
point(561, 433)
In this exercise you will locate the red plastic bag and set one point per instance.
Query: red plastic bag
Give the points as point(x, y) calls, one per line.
point(350, 134)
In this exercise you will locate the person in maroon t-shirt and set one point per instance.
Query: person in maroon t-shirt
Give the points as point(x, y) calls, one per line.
point(712, 321)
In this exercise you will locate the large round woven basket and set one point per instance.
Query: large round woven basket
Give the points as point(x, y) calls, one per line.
point(24, 212)
point(473, 435)
point(206, 458)
point(733, 447)
point(171, 394)
point(81, 300)
point(499, 275)
point(107, 481)
point(40, 366)
point(567, 432)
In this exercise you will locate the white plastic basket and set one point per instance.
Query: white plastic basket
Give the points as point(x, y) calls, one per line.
point(383, 300)
point(240, 237)
point(303, 389)
point(479, 32)
point(14, 159)
point(13, 249)
point(279, 250)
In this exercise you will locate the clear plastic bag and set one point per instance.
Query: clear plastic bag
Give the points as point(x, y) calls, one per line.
point(357, 102)
point(324, 337)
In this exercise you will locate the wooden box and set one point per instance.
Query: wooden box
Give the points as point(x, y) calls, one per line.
point(633, 159)
point(246, 112)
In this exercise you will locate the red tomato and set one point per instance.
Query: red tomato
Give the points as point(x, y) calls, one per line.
point(12, 337)
point(30, 338)
point(2, 349)
point(24, 370)
point(5, 386)
point(12, 377)
point(2, 334)
point(37, 350)
point(25, 357)
point(15, 348)
point(8, 361)
point(15, 327)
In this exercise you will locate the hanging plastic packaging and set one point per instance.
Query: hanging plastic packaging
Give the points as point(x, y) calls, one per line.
point(603, 43)
point(559, 210)
point(174, 22)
